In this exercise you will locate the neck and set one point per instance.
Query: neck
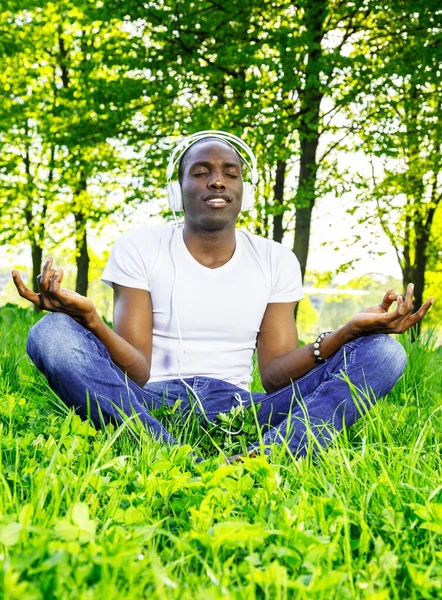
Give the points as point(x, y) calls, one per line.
point(210, 248)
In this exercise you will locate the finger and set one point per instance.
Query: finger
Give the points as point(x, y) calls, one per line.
point(60, 275)
point(401, 309)
point(23, 291)
point(407, 322)
point(54, 282)
point(404, 304)
point(409, 297)
point(47, 273)
point(420, 314)
point(63, 296)
point(388, 299)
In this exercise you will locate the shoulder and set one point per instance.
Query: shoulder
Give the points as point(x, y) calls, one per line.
point(146, 234)
point(144, 239)
point(266, 248)
point(135, 255)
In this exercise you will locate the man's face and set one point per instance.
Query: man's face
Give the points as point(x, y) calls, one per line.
point(211, 185)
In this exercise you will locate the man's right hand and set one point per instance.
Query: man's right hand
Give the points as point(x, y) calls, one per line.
point(56, 299)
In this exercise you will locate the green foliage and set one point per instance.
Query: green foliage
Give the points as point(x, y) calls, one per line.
point(94, 93)
point(401, 133)
point(67, 102)
point(307, 318)
point(96, 514)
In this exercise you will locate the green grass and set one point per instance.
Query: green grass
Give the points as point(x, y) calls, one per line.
point(88, 514)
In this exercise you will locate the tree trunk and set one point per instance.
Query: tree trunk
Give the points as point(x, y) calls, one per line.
point(305, 200)
point(416, 273)
point(37, 258)
point(82, 256)
point(278, 196)
point(309, 131)
point(306, 191)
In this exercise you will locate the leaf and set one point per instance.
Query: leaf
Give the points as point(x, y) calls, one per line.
point(431, 527)
point(10, 534)
point(133, 515)
point(238, 533)
point(87, 527)
point(65, 530)
point(85, 429)
point(79, 527)
point(80, 514)
point(25, 515)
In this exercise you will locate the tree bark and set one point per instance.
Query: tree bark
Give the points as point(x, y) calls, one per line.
point(82, 255)
point(419, 270)
point(37, 259)
point(309, 131)
point(278, 196)
point(305, 200)
point(415, 273)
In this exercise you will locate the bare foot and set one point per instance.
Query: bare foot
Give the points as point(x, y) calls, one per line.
point(230, 460)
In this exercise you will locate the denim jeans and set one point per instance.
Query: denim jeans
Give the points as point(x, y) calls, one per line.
point(79, 369)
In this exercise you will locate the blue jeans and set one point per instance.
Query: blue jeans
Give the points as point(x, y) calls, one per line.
point(79, 369)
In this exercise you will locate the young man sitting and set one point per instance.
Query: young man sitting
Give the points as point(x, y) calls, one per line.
point(192, 303)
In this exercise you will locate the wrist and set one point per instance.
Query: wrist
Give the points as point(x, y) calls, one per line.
point(317, 346)
point(93, 322)
point(351, 331)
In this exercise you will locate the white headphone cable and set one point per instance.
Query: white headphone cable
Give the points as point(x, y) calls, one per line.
point(237, 396)
point(180, 343)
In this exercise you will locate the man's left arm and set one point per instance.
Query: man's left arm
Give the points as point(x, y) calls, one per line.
point(280, 360)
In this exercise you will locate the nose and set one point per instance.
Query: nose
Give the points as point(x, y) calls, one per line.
point(216, 183)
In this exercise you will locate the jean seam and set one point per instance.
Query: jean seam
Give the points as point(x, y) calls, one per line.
point(274, 395)
point(348, 360)
point(233, 402)
point(201, 388)
point(115, 367)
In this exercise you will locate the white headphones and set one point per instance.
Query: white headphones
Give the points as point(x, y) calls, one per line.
point(173, 188)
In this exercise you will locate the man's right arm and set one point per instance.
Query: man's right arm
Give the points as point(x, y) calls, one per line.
point(129, 344)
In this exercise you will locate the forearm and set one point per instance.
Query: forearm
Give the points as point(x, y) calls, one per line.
point(128, 358)
point(284, 369)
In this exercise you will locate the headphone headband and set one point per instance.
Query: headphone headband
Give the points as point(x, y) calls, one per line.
point(231, 139)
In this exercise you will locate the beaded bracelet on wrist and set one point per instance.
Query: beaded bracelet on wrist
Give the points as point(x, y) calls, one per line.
point(316, 346)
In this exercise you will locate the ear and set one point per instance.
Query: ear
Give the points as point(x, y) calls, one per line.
point(248, 196)
point(174, 195)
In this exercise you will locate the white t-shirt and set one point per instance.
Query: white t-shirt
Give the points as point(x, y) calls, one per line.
point(219, 311)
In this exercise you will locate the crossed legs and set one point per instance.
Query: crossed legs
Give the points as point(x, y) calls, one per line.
point(80, 370)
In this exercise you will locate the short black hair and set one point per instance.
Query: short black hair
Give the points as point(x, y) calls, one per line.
point(206, 139)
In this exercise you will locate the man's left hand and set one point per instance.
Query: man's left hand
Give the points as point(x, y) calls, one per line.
point(378, 319)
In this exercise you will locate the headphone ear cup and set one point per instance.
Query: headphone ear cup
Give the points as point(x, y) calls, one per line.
point(248, 196)
point(174, 196)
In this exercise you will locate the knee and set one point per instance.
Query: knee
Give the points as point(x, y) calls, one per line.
point(389, 360)
point(51, 337)
point(392, 355)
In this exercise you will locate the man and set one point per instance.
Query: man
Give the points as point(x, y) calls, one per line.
point(191, 303)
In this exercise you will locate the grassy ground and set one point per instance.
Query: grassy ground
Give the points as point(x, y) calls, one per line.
point(106, 514)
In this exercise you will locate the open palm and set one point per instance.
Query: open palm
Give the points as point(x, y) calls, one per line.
point(379, 318)
point(53, 297)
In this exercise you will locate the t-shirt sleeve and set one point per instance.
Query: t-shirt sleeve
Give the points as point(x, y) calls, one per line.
point(287, 281)
point(126, 265)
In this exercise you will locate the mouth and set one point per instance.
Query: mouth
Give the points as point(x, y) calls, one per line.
point(217, 200)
